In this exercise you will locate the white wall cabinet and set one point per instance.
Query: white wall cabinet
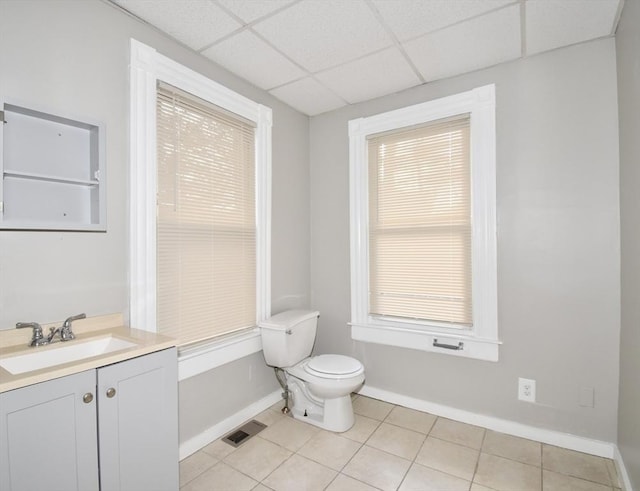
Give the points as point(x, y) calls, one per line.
point(110, 429)
point(52, 176)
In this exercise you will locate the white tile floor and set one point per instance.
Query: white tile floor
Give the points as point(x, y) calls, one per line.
point(390, 448)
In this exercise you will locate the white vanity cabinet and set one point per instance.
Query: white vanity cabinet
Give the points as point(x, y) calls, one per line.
point(112, 428)
point(138, 423)
point(48, 436)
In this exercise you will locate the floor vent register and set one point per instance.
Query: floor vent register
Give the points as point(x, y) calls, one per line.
point(240, 435)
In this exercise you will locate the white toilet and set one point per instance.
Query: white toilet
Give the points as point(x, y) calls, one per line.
point(320, 386)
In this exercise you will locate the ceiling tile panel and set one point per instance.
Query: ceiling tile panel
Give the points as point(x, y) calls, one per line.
point(554, 23)
point(477, 43)
point(196, 23)
point(412, 18)
point(373, 76)
point(246, 55)
point(250, 10)
point(319, 34)
point(349, 47)
point(308, 97)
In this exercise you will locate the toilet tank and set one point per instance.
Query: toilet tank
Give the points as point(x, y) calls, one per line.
point(288, 337)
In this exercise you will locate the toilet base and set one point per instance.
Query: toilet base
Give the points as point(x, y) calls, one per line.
point(331, 414)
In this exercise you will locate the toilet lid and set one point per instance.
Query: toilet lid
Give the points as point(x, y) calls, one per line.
point(334, 365)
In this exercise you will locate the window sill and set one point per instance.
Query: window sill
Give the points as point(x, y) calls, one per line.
point(205, 357)
point(420, 339)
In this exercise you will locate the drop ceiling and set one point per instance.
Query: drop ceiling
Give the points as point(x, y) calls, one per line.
point(319, 55)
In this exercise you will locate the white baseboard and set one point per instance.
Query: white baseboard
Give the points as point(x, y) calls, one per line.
point(557, 438)
point(623, 476)
point(564, 440)
point(216, 431)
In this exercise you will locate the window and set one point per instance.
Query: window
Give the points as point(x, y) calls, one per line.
point(420, 223)
point(206, 220)
point(423, 244)
point(200, 206)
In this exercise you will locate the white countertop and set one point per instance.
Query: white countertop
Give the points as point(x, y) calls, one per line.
point(12, 344)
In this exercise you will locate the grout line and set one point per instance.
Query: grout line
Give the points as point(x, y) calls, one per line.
point(406, 473)
point(475, 469)
point(203, 470)
point(350, 459)
point(240, 472)
point(405, 428)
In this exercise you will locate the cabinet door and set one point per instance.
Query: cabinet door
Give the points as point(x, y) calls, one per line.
point(138, 423)
point(48, 436)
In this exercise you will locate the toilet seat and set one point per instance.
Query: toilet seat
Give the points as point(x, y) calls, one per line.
point(333, 366)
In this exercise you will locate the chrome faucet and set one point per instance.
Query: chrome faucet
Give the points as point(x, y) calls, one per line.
point(65, 332)
point(52, 334)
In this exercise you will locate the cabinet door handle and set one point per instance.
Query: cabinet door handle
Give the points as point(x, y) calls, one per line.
point(111, 392)
point(87, 398)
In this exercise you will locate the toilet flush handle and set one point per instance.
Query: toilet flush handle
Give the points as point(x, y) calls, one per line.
point(289, 332)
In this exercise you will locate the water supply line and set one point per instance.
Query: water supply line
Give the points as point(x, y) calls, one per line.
point(282, 379)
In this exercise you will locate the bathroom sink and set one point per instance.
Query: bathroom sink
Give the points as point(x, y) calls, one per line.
point(58, 354)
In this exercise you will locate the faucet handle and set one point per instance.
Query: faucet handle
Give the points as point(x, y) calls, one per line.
point(69, 320)
point(36, 327)
point(37, 338)
point(66, 334)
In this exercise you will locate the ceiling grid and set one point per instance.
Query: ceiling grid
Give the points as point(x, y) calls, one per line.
point(319, 55)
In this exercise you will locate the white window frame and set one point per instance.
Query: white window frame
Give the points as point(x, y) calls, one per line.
point(481, 341)
point(147, 67)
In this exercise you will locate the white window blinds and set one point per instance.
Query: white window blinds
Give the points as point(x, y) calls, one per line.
point(420, 223)
point(206, 219)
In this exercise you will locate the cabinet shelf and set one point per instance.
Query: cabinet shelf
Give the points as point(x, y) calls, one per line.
point(51, 171)
point(49, 178)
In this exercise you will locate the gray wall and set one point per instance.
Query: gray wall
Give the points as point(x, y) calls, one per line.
point(74, 56)
point(627, 45)
point(559, 289)
point(558, 246)
point(210, 397)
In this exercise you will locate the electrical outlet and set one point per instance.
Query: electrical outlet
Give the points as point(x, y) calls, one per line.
point(526, 390)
